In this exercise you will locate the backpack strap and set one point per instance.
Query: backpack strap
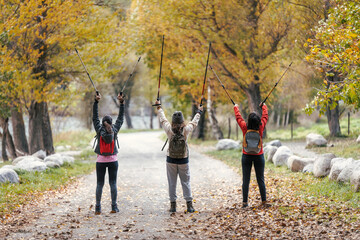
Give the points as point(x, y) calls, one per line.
point(96, 139)
point(117, 142)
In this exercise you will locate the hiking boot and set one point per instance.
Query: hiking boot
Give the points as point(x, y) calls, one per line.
point(97, 210)
point(190, 208)
point(114, 209)
point(244, 205)
point(172, 207)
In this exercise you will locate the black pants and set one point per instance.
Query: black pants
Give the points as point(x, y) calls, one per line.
point(259, 164)
point(100, 174)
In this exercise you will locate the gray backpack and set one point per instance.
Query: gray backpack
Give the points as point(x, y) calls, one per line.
point(252, 142)
point(177, 146)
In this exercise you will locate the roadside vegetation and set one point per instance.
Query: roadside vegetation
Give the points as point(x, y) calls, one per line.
point(35, 185)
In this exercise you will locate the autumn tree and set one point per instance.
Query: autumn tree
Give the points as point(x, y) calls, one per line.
point(335, 53)
point(40, 36)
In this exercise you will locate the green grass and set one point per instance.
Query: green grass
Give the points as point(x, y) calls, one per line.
point(320, 128)
point(307, 185)
point(347, 148)
point(34, 184)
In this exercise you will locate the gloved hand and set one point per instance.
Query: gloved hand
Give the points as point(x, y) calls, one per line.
point(97, 97)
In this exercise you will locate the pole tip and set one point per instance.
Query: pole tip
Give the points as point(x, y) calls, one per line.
point(290, 64)
point(139, 58)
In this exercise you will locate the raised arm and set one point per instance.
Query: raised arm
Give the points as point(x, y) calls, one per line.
point(96, 121)
point(194, 122)
point(239, 118)
point(264, 117)
point(162, 118)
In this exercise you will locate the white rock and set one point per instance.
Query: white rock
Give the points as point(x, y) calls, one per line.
point(275, 143)
point(316, 140)
point(225, 144)
point(18, 159)
point(337, 165)
point(26, 159)
point(322, 164)
point(60, 148)
point(71, 153)
point(269, 152)
point(9, 167)
point(355, 181)
point(51, 164)
point(68, 159)
point(281, 156)
point(40, 154)
point(309, 168)
point(297, 164)
point(56, 158)
point(28, 165)
point(358, 139)
point(334, 160)
point(346, 173)
point(8, 175)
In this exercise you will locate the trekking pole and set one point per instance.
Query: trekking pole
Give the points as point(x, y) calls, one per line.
point(97, 92)
point(162, 51)
point(164, 144)
point(207, 63)
point(131, 74)
point(221, 84)
point(262, 103)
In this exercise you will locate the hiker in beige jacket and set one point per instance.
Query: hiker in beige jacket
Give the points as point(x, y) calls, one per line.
point(177, 160)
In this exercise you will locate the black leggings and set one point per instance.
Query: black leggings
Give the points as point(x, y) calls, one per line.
point(100, 174)
point(259, 164)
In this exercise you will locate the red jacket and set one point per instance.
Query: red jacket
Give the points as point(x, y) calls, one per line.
point(242, 124)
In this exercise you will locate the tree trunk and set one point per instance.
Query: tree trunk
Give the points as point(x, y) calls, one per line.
point(333, 120)
point(3, 148)
point(40, 134)
point(35, 127)
point(278, 116)
point(216, 130)
point(87, 104)
point(7, 144)
point(46, 130)
point(254, 98)
point(20, 140)
point(284, 120)
point(151, 117)
point(199, 132)
point(127, 114)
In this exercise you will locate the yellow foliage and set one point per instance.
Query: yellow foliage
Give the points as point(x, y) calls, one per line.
point(40, 36)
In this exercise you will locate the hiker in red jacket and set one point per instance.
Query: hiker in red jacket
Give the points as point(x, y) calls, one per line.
point(253, 151)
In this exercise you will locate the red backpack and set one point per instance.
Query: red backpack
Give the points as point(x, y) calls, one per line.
point(106, 148)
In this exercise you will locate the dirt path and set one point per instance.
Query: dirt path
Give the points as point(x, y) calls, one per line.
point(142, 198)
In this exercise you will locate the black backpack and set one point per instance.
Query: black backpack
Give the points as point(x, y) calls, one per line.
point(177, 146)
point(252, 141)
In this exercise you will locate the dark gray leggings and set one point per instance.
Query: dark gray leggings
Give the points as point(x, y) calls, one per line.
point(259, 164)
point(100, 174)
